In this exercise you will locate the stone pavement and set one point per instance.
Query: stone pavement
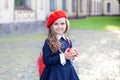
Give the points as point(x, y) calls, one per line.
point(99, 55)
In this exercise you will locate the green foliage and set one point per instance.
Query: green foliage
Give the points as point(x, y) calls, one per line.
point(96, 23)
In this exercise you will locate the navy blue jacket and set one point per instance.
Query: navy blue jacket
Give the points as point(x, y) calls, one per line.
point(54, 70)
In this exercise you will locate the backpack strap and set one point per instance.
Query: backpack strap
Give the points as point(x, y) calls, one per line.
point(68, 40)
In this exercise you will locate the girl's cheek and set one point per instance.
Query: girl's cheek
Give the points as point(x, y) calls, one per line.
point(55, 27)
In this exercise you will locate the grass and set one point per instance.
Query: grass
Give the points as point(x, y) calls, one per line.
point(100, 23)
point(89, 23)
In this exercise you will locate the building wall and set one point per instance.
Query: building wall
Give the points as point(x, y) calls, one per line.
point(96, 7)
point(25, 15)
point(37, 12)
point(40, 9)
point(114, 7)
point(6, 11)
point(82, 4)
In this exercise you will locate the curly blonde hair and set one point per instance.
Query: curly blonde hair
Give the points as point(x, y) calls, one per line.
point(53, 42)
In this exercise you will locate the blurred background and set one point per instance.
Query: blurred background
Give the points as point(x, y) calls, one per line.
point(94, 31)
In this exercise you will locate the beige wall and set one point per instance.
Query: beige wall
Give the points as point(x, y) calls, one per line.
point(37, 12)
point(9, 14)
point(6, 11)
point(41, 8)
point(114, 7)
point(96, 7)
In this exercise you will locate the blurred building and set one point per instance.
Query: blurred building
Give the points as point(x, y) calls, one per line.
point(12, 11)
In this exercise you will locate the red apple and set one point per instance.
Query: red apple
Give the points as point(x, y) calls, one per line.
point(73, 50)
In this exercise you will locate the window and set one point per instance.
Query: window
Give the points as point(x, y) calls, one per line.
point(97, 7)
point(81, 8)
point(88, 6)
point(74, 5)
point(94, 7)
point(6, 4)
point(108, 7)
point(119, 8)
point(64, 5)
point(22, 4)
point(100, 6)
point(52, 5)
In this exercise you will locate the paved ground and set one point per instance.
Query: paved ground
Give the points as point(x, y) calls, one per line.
point(99, 55)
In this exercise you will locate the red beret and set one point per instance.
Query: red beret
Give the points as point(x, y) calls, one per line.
point(54, 16)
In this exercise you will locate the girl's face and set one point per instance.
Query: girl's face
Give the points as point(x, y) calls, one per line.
point(59, 26)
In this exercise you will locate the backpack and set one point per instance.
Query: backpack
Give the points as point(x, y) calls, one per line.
point(40, 62)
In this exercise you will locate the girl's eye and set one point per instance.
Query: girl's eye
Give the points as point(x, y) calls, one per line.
point(62, 23)
point(56, 24)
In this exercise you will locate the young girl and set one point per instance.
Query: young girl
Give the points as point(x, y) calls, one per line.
point(57, 55)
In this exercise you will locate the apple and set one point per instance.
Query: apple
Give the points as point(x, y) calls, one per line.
point(73, 50)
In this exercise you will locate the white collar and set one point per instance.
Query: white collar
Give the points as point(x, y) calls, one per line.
point(59, 37)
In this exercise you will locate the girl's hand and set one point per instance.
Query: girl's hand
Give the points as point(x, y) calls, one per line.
point(73, 51)
point(69, 55)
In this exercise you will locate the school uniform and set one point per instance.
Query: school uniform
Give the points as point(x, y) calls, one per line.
point(57, 67)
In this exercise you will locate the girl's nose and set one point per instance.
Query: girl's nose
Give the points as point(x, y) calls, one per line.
point(59, 26)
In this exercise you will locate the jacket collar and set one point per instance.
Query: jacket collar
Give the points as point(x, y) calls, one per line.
point(59, 37)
